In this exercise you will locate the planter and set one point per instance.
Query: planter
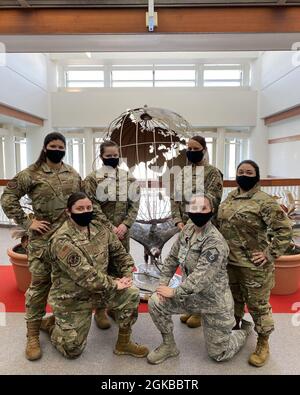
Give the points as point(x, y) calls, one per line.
point(21, 270)
point(287, 275)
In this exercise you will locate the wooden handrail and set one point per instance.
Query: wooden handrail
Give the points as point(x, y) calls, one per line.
point(267, 182)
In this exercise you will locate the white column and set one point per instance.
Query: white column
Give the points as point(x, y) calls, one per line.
point(9, 152)
point(2, 164)
point(34, 142)
point(258, 142)
point(89, 150)
point(220, 149)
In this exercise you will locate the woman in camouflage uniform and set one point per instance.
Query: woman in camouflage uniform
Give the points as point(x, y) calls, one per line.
point(116, 198)
point(48, 183)
point(246, 219)
point(81, 251)
point(212, 180)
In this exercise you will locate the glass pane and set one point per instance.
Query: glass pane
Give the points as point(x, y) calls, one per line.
point(175, 74)
point(23, 155)
point(174, 83)
point(209, 150)
point(222, 74)
point(85, 84)
point(127, 75)
point(132, 84)
point(85, 75)
point(222, 83)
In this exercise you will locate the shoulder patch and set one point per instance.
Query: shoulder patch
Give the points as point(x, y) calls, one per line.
point(212, 255)
point(74, 260)
point(12, 185)
point(63, 252)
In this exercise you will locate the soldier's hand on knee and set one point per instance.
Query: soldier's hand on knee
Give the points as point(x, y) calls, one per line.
point(121, 284)
point(127, 281)
point(165, 291)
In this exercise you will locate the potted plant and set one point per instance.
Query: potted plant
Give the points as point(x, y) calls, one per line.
point(19, 259)
point(287, 269)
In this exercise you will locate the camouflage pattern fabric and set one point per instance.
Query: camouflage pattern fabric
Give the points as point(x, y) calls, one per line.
point(48, 191)
point(252, 286)
point(111, 192)
point(247, 220)
point(251, 222)
point(204, 179)
point(81, 279)
point(204, 290)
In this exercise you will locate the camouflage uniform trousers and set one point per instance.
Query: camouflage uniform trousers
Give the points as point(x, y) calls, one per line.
point(221, 342)
point(252, 286)
point(40, 268)
point(72, 323)
point(113, 271)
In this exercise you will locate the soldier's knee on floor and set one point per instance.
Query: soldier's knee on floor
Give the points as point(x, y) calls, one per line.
point(72, 353)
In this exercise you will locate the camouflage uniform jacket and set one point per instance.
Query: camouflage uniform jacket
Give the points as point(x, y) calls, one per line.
point(247, 220)
point(48, 191)
point(202, 260)
point(116, 207)
point(80, 262)
point(213, 189)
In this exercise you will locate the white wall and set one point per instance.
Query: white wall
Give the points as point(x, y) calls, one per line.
point(24, 83)
point(284, 158)
point(280, 83)
point(201, 107)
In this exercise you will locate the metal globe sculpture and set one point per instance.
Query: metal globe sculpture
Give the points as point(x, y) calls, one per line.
point(151, 140)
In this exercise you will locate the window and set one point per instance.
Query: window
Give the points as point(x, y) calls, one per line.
point(175, 77)
point(236, 150)
point(222, 75)
point(20, 153)
point(129, 77)
point(158, 75)
point(85, 78)
point(97, 161)
point(75, 154)
point(2, 158)
point(211, 149)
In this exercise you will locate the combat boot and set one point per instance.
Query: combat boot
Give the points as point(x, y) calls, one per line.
point(194, 321)
point(166, 350)
point(184, 318)
point(33, 349)
point(125, 346)
point(262, 352)
point(48, 324)
point(101, 319)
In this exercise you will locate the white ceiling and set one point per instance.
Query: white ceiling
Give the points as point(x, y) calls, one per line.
point(150, 42)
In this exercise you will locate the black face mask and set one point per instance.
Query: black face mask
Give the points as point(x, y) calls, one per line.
point(113, 162)
point(195, 156)
point(83, 219)
point(200, 219)
point(54, 155)
point(246, 182)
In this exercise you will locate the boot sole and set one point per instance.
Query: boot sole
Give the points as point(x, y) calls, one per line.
point(164, 359)
point(33, 359)
point(129, 353)
point(259, 365)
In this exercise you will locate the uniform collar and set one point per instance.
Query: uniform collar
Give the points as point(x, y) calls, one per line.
point(47, 169)
point(247, 195)
point(107, 171)
point(190, 229)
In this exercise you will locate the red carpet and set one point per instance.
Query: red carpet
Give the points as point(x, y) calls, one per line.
point(14, 299)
